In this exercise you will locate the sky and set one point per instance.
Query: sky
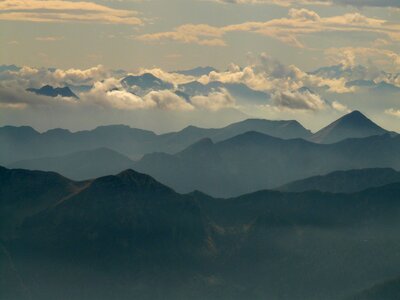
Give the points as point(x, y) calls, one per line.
point(271, 46)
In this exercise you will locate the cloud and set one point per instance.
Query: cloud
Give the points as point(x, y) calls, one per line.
point(33, 77)
point(174, 78)
point(340, 107)
point(80, 76)
point(295, 100)
point(300, 22)
point(267, 74)
point(214, 101)
point(15, 97)
point(393, 112)
point(49, 38)
point(372, 57)
point(60, 11)
point(110, 94)
point(286, 3)
point(200, 34)
point(167, 100)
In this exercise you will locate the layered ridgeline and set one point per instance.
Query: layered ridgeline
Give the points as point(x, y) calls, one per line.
point(22, 143)
point(130, 237)
point(254, 161)
point(228, 164)
point(344, 181)
point(80, 165)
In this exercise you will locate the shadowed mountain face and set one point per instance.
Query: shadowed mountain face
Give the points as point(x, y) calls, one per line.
point(130, 237)
point(24, 193)
point(253, 161)
point(48, 90)
point(388, 290)
point(22, 143)
point(144, 83)
point(353, 125)
point(80, 165)
point(345, 181)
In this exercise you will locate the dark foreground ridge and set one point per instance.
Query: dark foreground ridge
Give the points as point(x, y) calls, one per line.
point(128, 236)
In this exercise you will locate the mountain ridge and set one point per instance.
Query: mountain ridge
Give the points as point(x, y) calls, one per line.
point(352, 125)
point(144, 240)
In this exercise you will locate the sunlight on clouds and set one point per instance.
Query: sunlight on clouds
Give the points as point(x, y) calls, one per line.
point(287, 30)
point(286, 3)
point(393, 112)
point(214, 101)
point(65, 11)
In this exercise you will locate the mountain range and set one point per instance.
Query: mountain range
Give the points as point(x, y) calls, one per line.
point(23, 143)
point(128, 236)
point(80, 165)
point(344, 181)
point(254, 161)
point(50, 91)
point(237, 159)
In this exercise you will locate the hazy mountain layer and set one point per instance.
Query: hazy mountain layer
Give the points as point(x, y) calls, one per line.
point(80, 165)
point(253, 161)
point(130, 237)
point(22, 143)
point(345, 181)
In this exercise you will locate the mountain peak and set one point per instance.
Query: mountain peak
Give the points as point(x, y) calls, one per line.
point(132, 181)
point(352, 125)
point(48, 90)
point(355, 113)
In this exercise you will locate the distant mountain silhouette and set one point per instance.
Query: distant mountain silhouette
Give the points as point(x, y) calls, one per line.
point(197, 72)
point(352, 125)
point(129, 237)
point(24, 143)
point(361, 83)
point(50, 91)
point(13, 68)
point(145, 83)
point(344, 181)
point(80, 165)
point(239, 91)
point(254, 161)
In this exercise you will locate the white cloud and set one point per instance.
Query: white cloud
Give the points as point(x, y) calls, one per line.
point(295, 100)
point(79, 76)
point(170, 77)
point(286, 3)
point(340, 107)
point(49, 38)
point(393, 112)
point(371, 57)
point(15, 97)
point(201, 34)
point(62, 11)
point(214, 101)
point(110, 94)
point(167, 100)
point(269, 75)
point(288, 30)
